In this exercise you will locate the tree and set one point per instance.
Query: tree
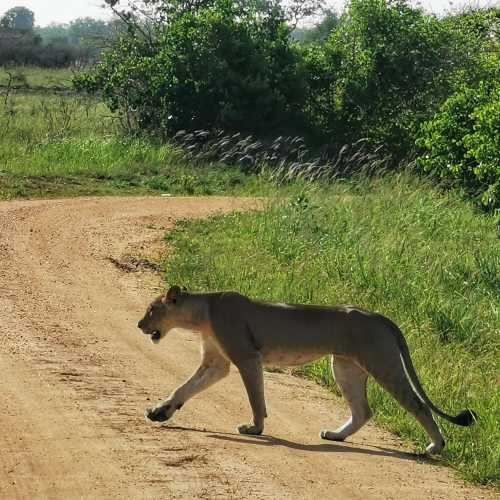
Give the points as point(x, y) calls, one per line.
point(227, 66)
point(87, 28)
point(163, 10)
point(54, 31)
point(56, 45)
point(461, 143)
point(296, 10)
point(18, 19)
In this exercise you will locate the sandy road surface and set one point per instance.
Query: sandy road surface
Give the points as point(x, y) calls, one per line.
point(76, 374)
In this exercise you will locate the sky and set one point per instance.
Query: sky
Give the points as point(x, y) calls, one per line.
point(63, 11)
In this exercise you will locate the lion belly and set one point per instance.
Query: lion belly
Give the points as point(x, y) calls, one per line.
point(286, 358)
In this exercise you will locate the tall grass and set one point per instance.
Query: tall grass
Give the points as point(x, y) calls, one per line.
point(68, 144)
point(73, 145)
point(393, 245)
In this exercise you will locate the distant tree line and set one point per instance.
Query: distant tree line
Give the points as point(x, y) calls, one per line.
point(57, 45)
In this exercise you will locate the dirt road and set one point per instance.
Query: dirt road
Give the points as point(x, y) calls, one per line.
point(76, 375)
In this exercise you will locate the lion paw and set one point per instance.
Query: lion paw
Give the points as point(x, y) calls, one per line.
point(331, 436)
point(160, 413)
point(250, 429)
point(435, 448)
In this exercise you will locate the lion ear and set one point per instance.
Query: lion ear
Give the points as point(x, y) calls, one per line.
point(174, 293)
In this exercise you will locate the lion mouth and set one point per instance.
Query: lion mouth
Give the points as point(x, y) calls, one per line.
point(155, 336)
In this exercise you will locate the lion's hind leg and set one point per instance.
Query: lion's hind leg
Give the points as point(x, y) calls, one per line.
point(351, 380)
point(396, 383)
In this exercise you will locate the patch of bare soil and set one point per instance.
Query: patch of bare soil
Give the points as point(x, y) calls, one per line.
point(76, 375)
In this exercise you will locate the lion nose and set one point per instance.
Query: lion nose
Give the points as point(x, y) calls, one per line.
point(140, 324)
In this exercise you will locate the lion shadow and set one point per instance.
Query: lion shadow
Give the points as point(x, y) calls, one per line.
point(326, 447)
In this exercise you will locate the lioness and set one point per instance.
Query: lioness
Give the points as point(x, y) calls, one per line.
point(251, 334)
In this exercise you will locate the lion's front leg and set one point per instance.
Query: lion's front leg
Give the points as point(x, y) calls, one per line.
point(163, 411)
point(212, 369)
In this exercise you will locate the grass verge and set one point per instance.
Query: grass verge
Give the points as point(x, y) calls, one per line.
point(393, 245)
point(72, 146)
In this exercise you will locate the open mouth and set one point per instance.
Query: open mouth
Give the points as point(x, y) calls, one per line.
point(155, 336)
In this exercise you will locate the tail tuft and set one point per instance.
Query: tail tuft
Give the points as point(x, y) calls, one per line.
point(465, 418)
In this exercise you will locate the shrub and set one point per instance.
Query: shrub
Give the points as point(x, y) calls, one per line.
point(224, 66)
point(387, 67)
point(462, 142)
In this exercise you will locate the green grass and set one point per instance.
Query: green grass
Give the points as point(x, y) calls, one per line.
point(33, 77)
point(393, 245)
point(72, 145)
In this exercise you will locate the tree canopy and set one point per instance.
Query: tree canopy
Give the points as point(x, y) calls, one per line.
point(19, 19)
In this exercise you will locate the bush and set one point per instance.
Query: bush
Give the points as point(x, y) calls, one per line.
point(223, 66)
point(462, 142)
point(387, 67)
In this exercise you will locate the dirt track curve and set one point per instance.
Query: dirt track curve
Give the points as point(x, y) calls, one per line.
point(76, 375)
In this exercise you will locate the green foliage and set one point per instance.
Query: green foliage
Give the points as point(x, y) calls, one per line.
point(54, 31)
point(222, 66)
point(393, 245)
point(387, 67)
point(462, 142)
point(384, 70)
point(81, 31)
point(85, 28)
point(23, 48)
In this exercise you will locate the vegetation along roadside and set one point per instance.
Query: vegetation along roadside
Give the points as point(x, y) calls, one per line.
point(392, 244)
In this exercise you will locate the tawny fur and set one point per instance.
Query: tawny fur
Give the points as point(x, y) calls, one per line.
point(251, 334)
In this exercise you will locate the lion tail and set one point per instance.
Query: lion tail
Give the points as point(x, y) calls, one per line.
point(464, 418)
